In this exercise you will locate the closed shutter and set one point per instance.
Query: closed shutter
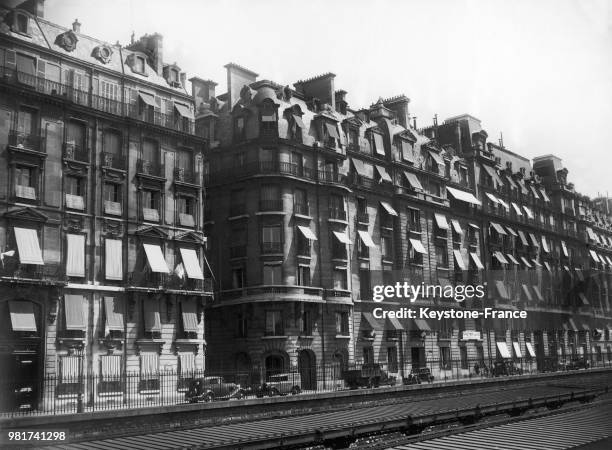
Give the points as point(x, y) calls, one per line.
point(10, 59)
point(42, 66)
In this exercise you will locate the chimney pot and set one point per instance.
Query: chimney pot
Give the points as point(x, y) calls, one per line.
point(76, 26)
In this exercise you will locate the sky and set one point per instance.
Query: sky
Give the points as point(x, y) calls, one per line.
point(540, 72)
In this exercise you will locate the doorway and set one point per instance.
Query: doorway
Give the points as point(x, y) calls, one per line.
point(308, 369)
point(418, 357)
point(274, 365)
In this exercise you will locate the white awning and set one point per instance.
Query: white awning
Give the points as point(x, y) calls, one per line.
point(530, 349)
point(389, 208)
point(504, 204)
point(528, 212)
point(503, 350)
point(501, 289)
point(527, 292)
point(441, 221)
point(418, 246)
point(156, 258)
point(307, 232)
point(527, 264)
point(517, 349)
point(75, 255)
point(592, 234)
point(73, 312)
point(113, 259)
point(359, 167)
point(189, 313)
point(493, 174)
point(22, 315)
point(477, 261)
point(383, 174)
point(467, 197)
point(366, 238)
point(184, 111)
point(459, 259)
point(609, 260)
point(523, 238)
point(545, 245)
point(456, 226)
point(148, 99)
point(564, 248)
point(500, 257)
point(547, 266)
point(511, 231)
point(493, 198)
point(28, 246)
point(594, 256)
point(342, 237)
point(536, 262)
point(437, 158)
point(497, 227)
point(414, 181)
point(512, 258)
point(517, 209)
point(544, 195)
point(191, 263)
point(534, 240)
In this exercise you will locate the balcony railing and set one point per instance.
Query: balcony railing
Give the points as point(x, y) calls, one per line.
point(14, 269)
point(301, 208)
point(363, 217)
point(113, 161)
point(27, 141)
point(155, 280)
point(332, 177)
point(85, 98)
point(337, 214)
point(186, 176)
point(150, 168)
point(75, 152)
point(271, 247)
point(270, 205)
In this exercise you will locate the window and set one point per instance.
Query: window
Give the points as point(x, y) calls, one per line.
point(368, 355)
point(445, 358)
point(300, 202)
point(414, 257)
point(330, 134)
point(238, 277)
point(362, 210)
point(463, 355)
point(353, 138)
point(431, 164)
point(304, 275)
point(150, 151)
point(184, 160)
point(463, 176)
point(24, 176)
point(26, 65)
point(307, 321)
point(297, 164)
point(340, 281)
point(272, 274)
point(296, 128)
point(75, 135)
point(238, 242)
point(239, 128)
point(303, 243)
point(392, 359)
point(270, 199)
point(268, 123)
point(274, 323)
point(365, 290)
point(242, 326)
point(27, 121)
point(342, 323)
point(441, 256)
point(434, 189)
point(338, 248)
point(185, 206)
point(237, 204)
point(150, 199)
point(386, 247)
point(21, 23)
point(271, 238)
point(74, 186)
point(414, 220)
point(336, 207)
point(112, 143)
point(112, 192)
point(138, 64)
point(363, 251)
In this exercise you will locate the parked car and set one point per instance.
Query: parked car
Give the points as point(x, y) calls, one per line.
point(577, 363)
point(212, 388)
point(370, 375)
point(423, 374)
point(281, 384)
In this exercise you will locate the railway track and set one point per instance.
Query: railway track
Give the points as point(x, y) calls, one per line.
point(337, 429)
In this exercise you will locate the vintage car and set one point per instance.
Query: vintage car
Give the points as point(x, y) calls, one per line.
point(281, 384)
point(422, 374)
point(577, 363)
point(212, 388)
point(369, 375)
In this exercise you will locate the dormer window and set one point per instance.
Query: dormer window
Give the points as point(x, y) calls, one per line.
point(137, 64)
point(268, 125)
point(239, 128)
point(174, 76)
point(21, 23)
point(330, 134)
point(377, 144)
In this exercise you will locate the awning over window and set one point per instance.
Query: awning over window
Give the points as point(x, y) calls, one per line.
point(474, 226)
point(155, 257)
point(500, 257)
point(609, 260)
point(441, 221)
point(527, 264)
point(413, 180)
point(527, 292)
point(298, 121)
point(395, 324)
point(572, 324)
point(579, 273)
point(511, 182)
point(534, 240)
point(493, 174)
point(147, 99)
point(511, 231)
point(342, 237)
point(524, 240)
point(28, 246)
point(501, 289)
point(592, 234)
point(379, 144)
point(503, 350)
point(517, 349)
point(152, 320)
point(534, 191)
point(476, 260)
point(504, 204)
point(530, 349)
point(594, 256)
point(332, 130)
point(544, 195)
point(547, 266)
point(190, 318)
point(545, 245)
point(456, 226)
point(113, 259)
point(22, 316)
point(538, 294)
point(564, 248)
point(418, 246)
point(585, 301)
point(459, 260)
point(371, 321)
point(422, 324)
point(366, 238)
point(497, 227)
point(191, 263)
point(512, 258)
point(517, 209)
point(535, 261)
point(75, 255)
point(528, 212)
point(185, 112)
point(307, 233)
point(492, 197)
point(388, 208)
point(113, 308)
point(73, 312)
point(437, 158)
point(359, 167)
point(467, 197)
point(407, 151)
point(383, 174)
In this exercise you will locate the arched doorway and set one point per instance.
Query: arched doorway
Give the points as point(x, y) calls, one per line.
point(274, 365)
point(307, 366)
point(21, 331)
point(339, 364)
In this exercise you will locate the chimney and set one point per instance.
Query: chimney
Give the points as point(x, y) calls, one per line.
point(76, 26)
point(202, 90)
point(156, 44)
point(399, 105)
point(237, 78)
point(321, 87)
point(341, 104)
point(35, 7)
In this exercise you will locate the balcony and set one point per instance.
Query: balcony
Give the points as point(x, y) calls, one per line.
point(26, 141)
point(112, 161)
point(148, 115)
point(271, 205)
point(332, 177)
point(12, 268)
point(271, 248)
point(73, 152)
point(302, 209)
point(186, 176)
point(299, 291)
point(337, 214)
point(263, 168)
point(152, 280)
point(150, 168)
point(304, 249)
point(363, 218)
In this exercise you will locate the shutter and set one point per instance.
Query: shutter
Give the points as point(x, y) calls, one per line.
point(29, 25)
point(42, 68)
point(11, 59)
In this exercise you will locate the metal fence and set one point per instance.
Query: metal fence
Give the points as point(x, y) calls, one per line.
point(88, 393)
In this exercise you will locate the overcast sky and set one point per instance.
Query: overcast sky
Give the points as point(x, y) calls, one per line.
point(540, 72)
